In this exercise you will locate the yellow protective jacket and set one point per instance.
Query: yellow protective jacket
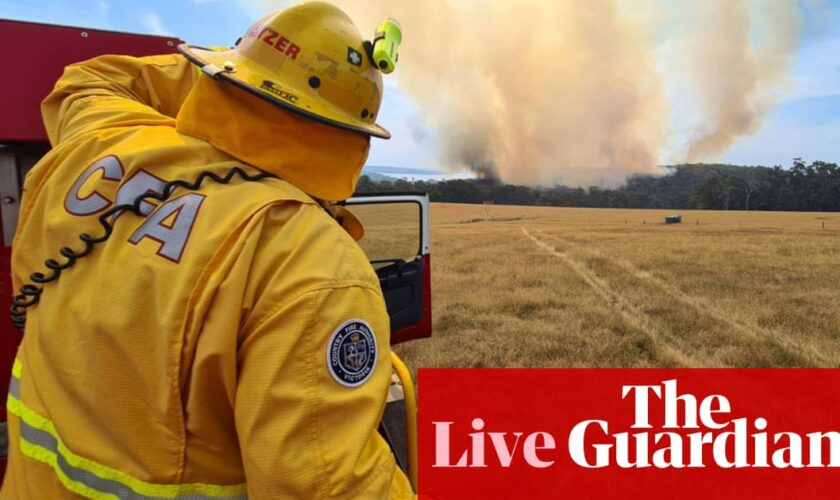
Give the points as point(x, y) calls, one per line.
point(229, 342)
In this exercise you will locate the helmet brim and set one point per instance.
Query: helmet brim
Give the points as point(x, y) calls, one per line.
point(248, 78)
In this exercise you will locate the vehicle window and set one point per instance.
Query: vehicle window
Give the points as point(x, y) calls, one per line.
point(392, 230)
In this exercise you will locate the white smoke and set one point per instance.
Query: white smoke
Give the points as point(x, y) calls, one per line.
point(573, 92)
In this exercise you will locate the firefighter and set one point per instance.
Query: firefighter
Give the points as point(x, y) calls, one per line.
point(217, 338)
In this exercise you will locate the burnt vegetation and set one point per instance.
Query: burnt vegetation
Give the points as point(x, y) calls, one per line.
point(803, 187)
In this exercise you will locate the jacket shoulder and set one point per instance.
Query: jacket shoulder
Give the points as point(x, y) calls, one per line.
point(297, 248)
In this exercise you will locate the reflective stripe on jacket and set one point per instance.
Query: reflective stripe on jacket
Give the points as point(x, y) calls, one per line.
point(39, 440)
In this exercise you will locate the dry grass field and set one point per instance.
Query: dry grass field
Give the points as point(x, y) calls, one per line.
point(559, 287)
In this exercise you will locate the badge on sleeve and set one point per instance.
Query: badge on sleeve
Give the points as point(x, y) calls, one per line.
point(351, 353)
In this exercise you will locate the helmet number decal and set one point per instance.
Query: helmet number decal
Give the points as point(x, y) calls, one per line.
point(329, 68)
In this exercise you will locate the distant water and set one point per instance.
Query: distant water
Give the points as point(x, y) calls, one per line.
point(401, 171)
point(416, 174)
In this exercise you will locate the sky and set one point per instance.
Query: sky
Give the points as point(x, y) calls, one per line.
point(805, 123)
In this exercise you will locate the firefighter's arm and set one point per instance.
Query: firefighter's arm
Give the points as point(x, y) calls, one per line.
point(313, 380)
point(111, 91)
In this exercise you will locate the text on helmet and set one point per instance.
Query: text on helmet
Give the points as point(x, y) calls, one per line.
point(274, 39)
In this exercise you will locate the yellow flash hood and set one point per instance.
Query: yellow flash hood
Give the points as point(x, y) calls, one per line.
point(323, 161)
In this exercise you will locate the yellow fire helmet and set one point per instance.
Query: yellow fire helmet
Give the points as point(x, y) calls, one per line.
point(309, 59)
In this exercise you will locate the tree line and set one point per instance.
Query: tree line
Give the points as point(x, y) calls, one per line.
point(803, 187)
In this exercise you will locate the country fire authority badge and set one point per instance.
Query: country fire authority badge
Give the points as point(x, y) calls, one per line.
point(351, 353)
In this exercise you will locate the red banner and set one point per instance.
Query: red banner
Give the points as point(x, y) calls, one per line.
point(610, 433)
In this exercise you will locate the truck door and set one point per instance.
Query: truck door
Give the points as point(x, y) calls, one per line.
point(397, 242)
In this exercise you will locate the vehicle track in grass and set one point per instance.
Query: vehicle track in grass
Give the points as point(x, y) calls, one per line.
point(704, 307)
point(631, 314)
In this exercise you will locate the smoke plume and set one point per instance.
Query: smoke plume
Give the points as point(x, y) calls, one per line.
point(734, 81)
point(576, 92)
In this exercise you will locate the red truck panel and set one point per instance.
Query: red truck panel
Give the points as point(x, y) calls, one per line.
point(36, 55)
point(39, 53)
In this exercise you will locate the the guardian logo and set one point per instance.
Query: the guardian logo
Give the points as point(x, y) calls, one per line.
point(692, 434)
